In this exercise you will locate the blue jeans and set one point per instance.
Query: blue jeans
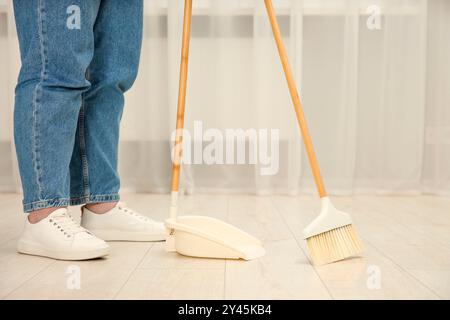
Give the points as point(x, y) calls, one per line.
point(78, 59)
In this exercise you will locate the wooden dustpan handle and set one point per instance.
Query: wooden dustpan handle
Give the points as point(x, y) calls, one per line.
point(296, 100)
point(176, 167)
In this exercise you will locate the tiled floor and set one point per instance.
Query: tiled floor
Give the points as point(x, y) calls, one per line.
point(407, 254)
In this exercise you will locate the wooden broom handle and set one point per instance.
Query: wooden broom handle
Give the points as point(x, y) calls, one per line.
point(176, 167)
point(296, 99)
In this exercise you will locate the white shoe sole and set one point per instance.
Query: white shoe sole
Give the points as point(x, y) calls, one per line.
point(114, 235)
point(38, 250)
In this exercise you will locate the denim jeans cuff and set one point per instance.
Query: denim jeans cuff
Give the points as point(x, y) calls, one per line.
point(42, 204)
point(94, 198)
point(64, 202)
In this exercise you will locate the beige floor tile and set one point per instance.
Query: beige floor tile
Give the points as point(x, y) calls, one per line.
point(284, 273)
point(16, 269)
point(98, 279)
point(174, 283)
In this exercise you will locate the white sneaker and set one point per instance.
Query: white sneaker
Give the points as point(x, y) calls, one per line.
point(59, 237)
point(122, 224)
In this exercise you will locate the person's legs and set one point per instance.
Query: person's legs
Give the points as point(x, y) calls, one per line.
point(57, 45)
point(94, 176)
point(117, 37)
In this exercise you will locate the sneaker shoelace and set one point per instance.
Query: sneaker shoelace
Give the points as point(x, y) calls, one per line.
point(122, 206)
point(65, 223)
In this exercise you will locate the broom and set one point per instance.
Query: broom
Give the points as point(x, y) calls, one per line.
point(331, 236)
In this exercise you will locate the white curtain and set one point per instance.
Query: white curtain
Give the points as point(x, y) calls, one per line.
point(436, 164)
point(377, 99)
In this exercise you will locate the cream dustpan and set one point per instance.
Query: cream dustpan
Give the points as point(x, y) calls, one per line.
point(200, 236)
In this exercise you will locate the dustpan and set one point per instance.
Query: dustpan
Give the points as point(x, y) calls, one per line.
point(200, 236)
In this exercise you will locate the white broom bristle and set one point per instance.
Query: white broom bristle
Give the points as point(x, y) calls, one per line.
point(334, 245)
